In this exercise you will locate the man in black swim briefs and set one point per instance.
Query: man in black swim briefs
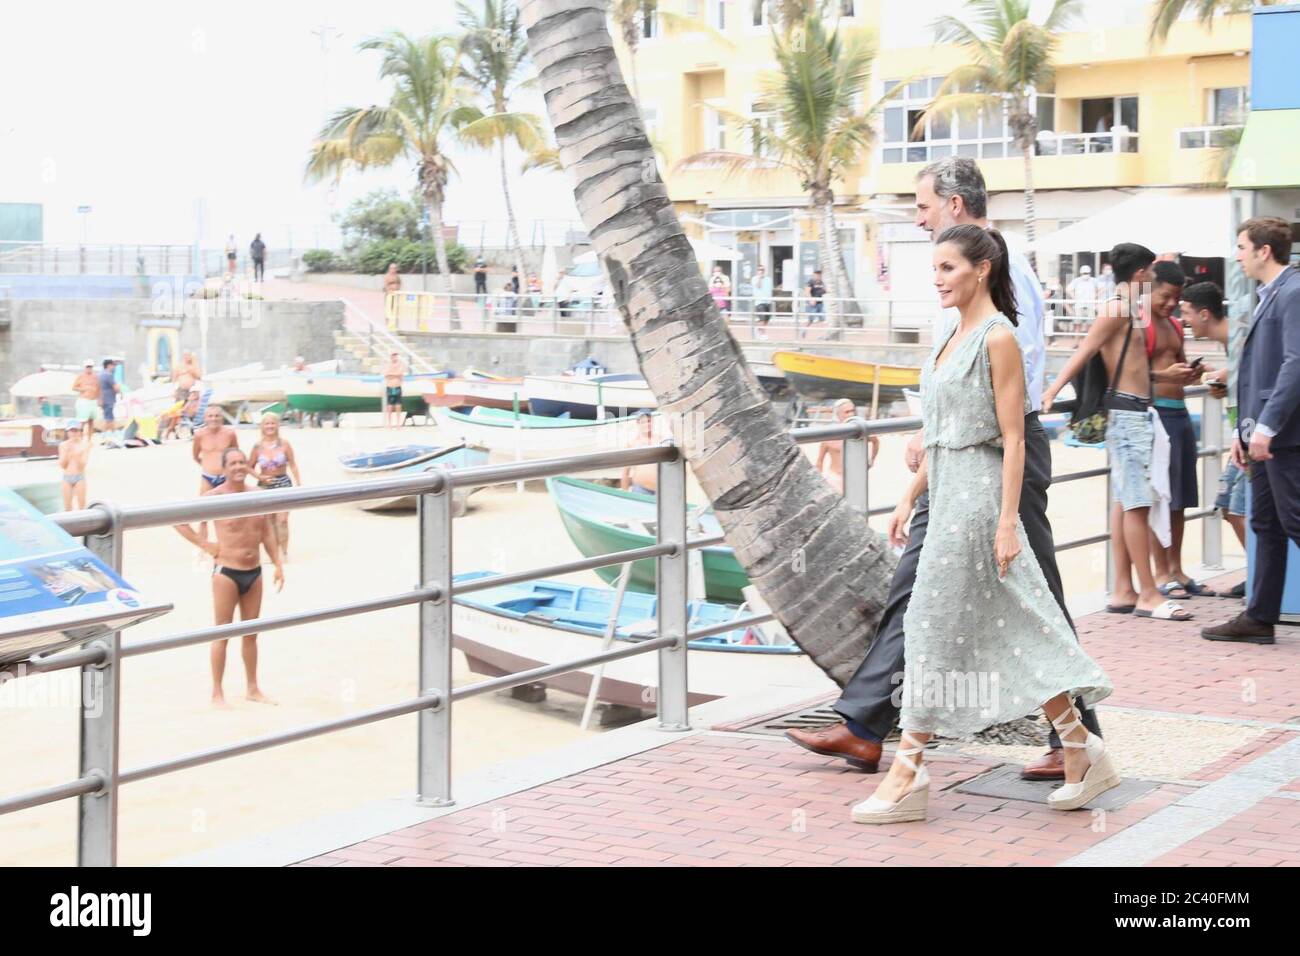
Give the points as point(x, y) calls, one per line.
point(237, 574)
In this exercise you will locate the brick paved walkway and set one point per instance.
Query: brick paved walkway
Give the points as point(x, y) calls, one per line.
point(716, 798)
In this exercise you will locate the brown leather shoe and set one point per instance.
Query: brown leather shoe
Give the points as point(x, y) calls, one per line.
point(838, 741)
point(1243, 628)
point(1050, 766)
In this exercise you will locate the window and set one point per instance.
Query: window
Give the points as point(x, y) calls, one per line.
point(715, 127)
point(649, 22)
point(1228, 106)
point(763, 122)
point(915, 134)
point(846, 8)
point(1108, 125)
point(717, 11)
point(650, 117)
point(758, 13)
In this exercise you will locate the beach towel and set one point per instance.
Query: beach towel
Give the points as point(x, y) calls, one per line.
point(1158, 518)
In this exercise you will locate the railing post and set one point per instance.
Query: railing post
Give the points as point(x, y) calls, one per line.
point(671, 586)
point(1211, 467)
point(1109, 509)
point(857, 451)
point(99, 725)
point(434, 785)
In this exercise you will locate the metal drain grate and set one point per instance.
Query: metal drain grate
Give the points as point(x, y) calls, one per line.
point(1005, 783)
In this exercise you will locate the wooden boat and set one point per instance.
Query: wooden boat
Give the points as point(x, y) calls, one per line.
point(512, 437)
point(825, 378)
point(340, 393)
point(515, 627)
point(38, 482)
point(30, 438)
point(588, 396)
point(601, 520)
point(261, 386)
point(402, 460)
point(771, 378)
point(473, 387)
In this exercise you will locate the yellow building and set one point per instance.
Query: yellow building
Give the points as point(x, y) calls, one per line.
point(1123, 118)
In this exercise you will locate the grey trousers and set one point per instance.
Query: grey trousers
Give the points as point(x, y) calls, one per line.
point(868, 696)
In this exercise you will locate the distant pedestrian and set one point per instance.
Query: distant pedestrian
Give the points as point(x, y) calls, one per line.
point(480, 276)
point(74, 455)
point(830, 454)
point(816, 295)
point(392, 280)
point(762, 300)
point(86, 385)
point(108, 392)
point(257, 251)
point(394, 372)
point(514, 281)
point(232, 255)
point(720, 289)
point(1083, 298)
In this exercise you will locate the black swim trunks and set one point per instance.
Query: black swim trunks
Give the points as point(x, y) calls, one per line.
point(394, 395)
point(243, 579)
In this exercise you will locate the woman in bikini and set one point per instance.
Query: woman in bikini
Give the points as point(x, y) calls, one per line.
point(271, 460)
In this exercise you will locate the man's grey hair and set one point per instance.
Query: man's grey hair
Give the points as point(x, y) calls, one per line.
point(959, 176)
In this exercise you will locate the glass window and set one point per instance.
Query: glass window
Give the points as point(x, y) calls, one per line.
point(916, 154)
point(893, 156)
point(895, 123)
point(1228, 106)
point(1045, 112)
point(935, 83)
point(918, 90)
point(1098, 116)
point(650, 116)
point(939, 152)
point(992, 150)
point(718, 14)
point(940, 125)
point(846, 8)
point(916, 126)
point(968, 126)
point(758, 12)
point(1128, 112)
point(968, 149)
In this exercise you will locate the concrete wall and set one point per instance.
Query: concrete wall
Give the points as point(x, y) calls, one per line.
point(68, 331)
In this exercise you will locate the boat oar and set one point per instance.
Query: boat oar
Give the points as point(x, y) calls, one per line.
point(611, 626)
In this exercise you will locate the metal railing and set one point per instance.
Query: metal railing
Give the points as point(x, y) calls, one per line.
point(1208, 137)
point(47, 258)
point(104, 527)
point(1078, 144)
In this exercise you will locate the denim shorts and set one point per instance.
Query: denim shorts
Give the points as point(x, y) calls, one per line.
point(1129, 437)
point(1232, 491)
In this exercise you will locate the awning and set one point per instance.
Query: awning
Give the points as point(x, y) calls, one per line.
point(1190, 222)
point(1265, 156)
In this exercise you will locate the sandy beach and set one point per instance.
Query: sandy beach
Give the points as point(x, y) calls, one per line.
point(323, 671)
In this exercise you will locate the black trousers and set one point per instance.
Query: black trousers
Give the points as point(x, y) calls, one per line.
point(868, 698)
point(259, 269)
point(1275, 518)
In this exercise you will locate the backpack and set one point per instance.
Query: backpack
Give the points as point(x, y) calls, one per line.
point(1092, 387)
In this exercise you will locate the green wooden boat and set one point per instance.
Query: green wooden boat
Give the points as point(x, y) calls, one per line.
point(601, 520)
point(357, 393)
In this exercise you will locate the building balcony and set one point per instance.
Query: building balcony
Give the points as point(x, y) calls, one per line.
point(1209, 137)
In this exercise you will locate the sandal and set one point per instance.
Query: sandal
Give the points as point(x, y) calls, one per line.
point(1198, 590)
point(1168, 589)
point(1120, 608)
point(1169, 611)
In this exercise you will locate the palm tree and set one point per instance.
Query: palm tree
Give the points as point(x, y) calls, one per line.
point(429, 102)
point(1167, 12)
point(496, 49)
point(820, 130)
point(629, 17)
point(812, 556)
point(1011, 59)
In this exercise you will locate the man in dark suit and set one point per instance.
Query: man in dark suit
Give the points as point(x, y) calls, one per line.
point(1268, 422)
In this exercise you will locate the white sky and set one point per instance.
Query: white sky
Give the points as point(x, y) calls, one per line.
point(140, 108)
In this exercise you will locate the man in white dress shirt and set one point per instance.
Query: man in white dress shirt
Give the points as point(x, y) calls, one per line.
point(951, 192)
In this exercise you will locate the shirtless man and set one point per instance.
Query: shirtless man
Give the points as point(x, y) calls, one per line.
point(86, 385)
point(832, 452)
point(643, 479)
point(186, 374)
point(393, 373)
point(1129, 431)
point(237, 576)
point(74, 455)
point(1169, 352)
point(209, 443)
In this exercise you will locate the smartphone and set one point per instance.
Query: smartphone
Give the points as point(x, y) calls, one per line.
point(1198, 361)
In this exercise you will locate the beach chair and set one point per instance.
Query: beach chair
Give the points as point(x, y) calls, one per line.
point(196, 422)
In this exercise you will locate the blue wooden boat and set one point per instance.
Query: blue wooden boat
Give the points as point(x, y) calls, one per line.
point(517, 626)
point(401, 460)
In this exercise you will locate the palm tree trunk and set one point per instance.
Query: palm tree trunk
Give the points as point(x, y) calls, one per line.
point(512, 230)
point(833, 264)
point(1031, 220)
point(813, 558)
point(440, 254)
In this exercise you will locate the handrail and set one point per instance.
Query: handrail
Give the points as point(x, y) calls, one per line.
point(380, 331)
point(104, 526)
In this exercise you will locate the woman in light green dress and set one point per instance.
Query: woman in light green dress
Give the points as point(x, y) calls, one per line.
point(985, 640)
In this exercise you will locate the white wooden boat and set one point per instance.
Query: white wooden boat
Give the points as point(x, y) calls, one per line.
point(511, 437)
point(39, 482)
point(588, 396)
point(403, 460)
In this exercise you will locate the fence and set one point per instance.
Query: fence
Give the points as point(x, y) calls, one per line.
point(41, 258)
point(105, 527)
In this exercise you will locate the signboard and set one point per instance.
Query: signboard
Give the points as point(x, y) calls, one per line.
point(53, 592)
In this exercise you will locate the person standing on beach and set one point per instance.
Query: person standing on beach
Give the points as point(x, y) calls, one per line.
point(394, 372)
point(392, 279)
point(86, 385)
point(951, 192)
point(74, 455)
point(257, 252)
point(830, 454)
point(186, 374)
point(232, 256)
point(209, 445)
point(109, 389)
point(237, 575)
point(642, 479)
point(271, 460)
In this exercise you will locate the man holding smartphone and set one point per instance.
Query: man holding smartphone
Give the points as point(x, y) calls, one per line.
point(1165, 345)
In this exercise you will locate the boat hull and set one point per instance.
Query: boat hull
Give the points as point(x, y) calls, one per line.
point(824, 378)
point(584, 397)
point(341, 394)
point(465, 456)
point(531, 437)
point(580, 504)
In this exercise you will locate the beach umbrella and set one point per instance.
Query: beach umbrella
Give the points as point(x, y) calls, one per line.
point(43, 385)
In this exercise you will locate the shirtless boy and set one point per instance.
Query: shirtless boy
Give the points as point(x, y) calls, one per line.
point(642, 479)
point(832, 452)
point(1118, 334)
point(393, 373)
point(237, 576)
point(74, 454)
